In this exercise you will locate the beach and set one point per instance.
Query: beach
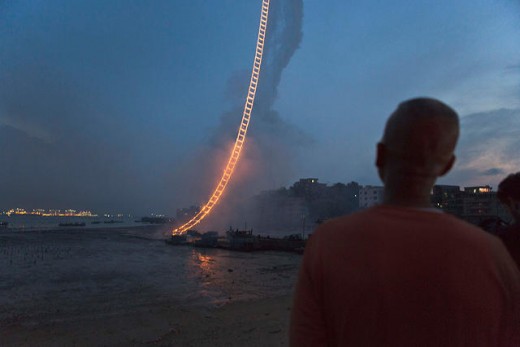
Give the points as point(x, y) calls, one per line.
point(125, 286)
point(255, 323)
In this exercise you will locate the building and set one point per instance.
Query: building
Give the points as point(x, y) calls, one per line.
point(482, 204)
point(370, 196)
point(478, 205)
point(448, 198)
point(308, 188)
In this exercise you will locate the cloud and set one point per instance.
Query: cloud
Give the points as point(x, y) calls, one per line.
point(488, 148)
point(493, 172)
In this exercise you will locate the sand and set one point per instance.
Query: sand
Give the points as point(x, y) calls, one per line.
point(257, 323)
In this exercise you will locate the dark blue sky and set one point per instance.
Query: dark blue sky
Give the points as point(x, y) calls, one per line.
point(129, 105)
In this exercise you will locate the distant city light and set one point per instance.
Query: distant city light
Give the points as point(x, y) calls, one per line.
point(48, 213)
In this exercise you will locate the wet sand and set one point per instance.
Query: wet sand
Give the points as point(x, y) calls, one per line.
point(127, 288)
point(257, 323)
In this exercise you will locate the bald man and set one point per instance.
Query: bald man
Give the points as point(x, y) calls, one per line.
point(403, 273)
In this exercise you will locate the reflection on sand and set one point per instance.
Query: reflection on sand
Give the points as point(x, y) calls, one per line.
point(221, 276)
point(203, 261)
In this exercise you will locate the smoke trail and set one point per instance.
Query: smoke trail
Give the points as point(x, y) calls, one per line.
point(273, 144)
point(284, 36)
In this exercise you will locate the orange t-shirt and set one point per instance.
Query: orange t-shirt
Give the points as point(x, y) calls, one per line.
point(392, 276)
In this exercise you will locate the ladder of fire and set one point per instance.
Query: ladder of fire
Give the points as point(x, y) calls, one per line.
point(242, 131)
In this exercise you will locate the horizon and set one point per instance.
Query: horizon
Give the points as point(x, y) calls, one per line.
point(119, 213)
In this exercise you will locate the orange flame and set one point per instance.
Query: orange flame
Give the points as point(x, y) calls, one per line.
point(242, 131)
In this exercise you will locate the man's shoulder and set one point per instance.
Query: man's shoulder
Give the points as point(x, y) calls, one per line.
point(391, 217)
point(381, 213)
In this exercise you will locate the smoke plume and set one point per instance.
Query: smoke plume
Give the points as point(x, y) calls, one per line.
point(272, 146)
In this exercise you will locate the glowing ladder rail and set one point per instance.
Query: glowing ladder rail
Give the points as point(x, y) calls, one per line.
point(242, 130)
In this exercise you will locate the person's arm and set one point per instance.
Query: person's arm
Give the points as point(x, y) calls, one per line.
point(307, 326)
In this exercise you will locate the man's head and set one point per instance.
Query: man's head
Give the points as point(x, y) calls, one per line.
point(418, 142)
point(509, 194)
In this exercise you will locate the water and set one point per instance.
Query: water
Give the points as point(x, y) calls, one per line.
point(30, 222)
point(51, 274)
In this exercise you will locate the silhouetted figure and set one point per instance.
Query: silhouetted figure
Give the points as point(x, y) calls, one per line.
point(509, 196)
point(403, 273)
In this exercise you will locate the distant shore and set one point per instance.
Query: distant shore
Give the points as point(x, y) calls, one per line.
point(41, 223)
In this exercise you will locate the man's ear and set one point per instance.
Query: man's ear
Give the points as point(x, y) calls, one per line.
point(448, 166)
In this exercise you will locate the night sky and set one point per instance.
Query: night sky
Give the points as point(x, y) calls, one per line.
point(132, 105)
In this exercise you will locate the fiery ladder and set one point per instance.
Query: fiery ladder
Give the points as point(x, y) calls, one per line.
point(242, 131)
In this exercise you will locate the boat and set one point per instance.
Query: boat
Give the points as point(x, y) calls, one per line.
point(207, 240)
point(177, 240)
point(239, 240)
